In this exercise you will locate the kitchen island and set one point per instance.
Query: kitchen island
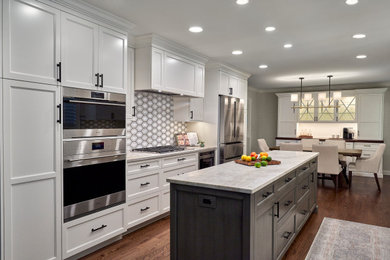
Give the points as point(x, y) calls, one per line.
point(233, 211)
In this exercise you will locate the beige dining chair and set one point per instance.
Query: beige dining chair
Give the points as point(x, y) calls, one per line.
point(291, 147)
point(328, 163)
point(370, 165)
point(341, 144)
point(263, 145)
point(309, 142)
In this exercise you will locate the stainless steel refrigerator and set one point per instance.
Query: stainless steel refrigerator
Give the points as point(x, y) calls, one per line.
point(231, 128)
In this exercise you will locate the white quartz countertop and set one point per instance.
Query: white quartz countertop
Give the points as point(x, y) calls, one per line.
point(241, 178)
point(139, 156)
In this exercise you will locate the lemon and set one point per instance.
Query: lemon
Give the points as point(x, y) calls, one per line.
point(243, 157)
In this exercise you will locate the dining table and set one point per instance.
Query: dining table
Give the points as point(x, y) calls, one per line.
point(345, 152)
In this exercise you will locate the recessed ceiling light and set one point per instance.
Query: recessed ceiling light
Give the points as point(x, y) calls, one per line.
point(287, 45)
point(351, 2)
point(270, 29)
point(263, 66)
point(361, 56)
point(242, 2)
point(359, 36)
point(195, 29)
point(237, 52)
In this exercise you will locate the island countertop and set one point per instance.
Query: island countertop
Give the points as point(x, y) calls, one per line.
point(245, 179)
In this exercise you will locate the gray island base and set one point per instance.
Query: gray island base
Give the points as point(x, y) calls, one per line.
point(233, 212)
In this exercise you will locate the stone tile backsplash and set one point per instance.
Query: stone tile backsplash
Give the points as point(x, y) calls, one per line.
point(154, 124)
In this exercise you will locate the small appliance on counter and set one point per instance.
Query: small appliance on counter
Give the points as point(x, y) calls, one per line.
point(348, 133)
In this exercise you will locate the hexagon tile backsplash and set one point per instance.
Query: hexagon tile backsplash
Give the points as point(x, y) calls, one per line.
point(154, 124)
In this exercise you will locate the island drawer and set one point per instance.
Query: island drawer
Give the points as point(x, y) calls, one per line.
point(145, 166)
point(285, 204)
point(178, 160)
point(302, 187)
point(141, 184)
point(177, 171)
point(264, 194)
point(302, 211)
point(284, 234)
point(304, 169)
point(285, 182)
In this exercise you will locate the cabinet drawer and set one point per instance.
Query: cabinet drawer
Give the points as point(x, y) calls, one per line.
point(89, 233)
point(302, 211)
point(303, 171)
point(284, 234)
point(366, 146)
point(348, 145)
point(145, 166)
point(285, 204)
point(144, 184)
point(264, 194)
point(177, 171)
point(143, 210)
point(302, 187)
point(284, 182)
point(165, 201)
point(178, 160)
point(367, 153)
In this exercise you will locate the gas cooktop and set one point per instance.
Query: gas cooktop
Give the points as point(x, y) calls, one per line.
point(160, 149)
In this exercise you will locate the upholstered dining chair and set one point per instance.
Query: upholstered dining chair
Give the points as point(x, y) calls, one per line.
point(370, 165)
point(309, 142)
point(340, 144)
point(291, 147)
point(328, 163)
point(263, 145)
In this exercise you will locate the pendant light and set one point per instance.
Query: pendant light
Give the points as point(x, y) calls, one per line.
point(298, 97)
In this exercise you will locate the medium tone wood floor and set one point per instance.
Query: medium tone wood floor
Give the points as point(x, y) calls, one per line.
point(360, 204)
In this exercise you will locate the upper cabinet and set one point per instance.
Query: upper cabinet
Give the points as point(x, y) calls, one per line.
point(370, 116)
point(31, 41)
point(166, 67)
point(287, 117)
point(54, 47)
point(187, 109)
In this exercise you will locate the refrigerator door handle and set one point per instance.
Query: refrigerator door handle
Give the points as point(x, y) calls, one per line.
point(234, 119)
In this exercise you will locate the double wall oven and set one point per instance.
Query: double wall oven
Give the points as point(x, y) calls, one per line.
point(94, 151)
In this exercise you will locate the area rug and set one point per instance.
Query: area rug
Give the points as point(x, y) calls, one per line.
point(339, 239)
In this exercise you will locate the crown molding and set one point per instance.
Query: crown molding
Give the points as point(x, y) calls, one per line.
point(228, 69)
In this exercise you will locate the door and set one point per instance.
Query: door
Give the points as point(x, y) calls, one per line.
point(196, 109)
point(370, 116)
point(224, 84)
point(263, 235)
point(157, 69)
point(199, 80)
point(227, 124)
point(233, 86)
point(112, 60)
point(79, 52)
point(31, 41)
point(239, 117)
point(287, 117)
point(32, 168)
point(131, 109)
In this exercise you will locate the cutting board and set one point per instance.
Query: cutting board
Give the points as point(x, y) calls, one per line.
point(252, 163)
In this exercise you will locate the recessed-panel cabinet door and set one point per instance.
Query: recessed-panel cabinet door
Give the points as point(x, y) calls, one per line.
point(199, 80)
point(157, 69)
point(32, 212)
point(370, 116)
point(224, 84)
point(79, 52)
point(179, 75)
point(112, 60)
point(31, 41)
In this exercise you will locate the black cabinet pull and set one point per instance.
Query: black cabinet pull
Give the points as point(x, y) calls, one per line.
point(230, 91)
point(143, 209)
point(288, 203)
point(192, 115)
point(277, 209)
point(59, 67)
point(59, 120)
point(288, 179)
point(305, 168)
point(303, 212)
point(101, 80)
point(287, 235)
point(144, 166)
point(97, 80)
point(265, 195)
point(145, 184)
point(181, 159)
point(96, 229)
point(305, 187)
point(133, 110)
point(312, 177)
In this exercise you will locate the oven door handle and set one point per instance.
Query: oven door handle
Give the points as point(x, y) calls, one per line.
point(96, 157)
point(96, 103)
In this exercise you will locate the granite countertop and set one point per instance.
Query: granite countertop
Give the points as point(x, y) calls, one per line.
point(245, 179)
point(139, 156)
point(323, 139)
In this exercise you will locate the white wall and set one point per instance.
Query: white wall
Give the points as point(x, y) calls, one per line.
point(324, 130)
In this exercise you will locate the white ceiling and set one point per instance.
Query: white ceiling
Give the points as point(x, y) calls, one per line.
point(320, 30)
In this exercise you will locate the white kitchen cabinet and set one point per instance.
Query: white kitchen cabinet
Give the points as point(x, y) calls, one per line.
point(31, 41)
point(131, 108)
point(287, 117)
point(242, 89)
point(229, 85)
point(112, 60)
point(370, 116)
point(32, 171)
point(79, 52)
point(199, 80)
point(187, 109)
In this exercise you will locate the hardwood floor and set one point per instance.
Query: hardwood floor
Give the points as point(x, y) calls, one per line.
point(360, 204)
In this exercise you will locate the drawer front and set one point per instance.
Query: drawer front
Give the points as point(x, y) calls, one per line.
point(302, 211)
point(142, 185)
point(285, 182)
point(264, 194)
point(177, 171)
point(145, 166)
point(165, 201)
point(285, 204)
point(366, 146)
point(284, 234)
point(313, 190)
point(304, 169)
point(84, 235)
point(367, 153)
point(178, 160)
point(143, 210)
point(302, 187)
point(349, 145)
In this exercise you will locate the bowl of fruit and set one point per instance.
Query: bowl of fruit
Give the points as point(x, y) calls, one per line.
point(258, 160)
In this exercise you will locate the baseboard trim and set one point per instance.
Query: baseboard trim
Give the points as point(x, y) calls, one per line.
point(386, 172)
point(365, 174)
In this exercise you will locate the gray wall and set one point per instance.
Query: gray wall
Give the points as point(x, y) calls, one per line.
point(262, 118)
point(386, 133)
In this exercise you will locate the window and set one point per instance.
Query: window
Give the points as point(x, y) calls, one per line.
point(347, 109)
